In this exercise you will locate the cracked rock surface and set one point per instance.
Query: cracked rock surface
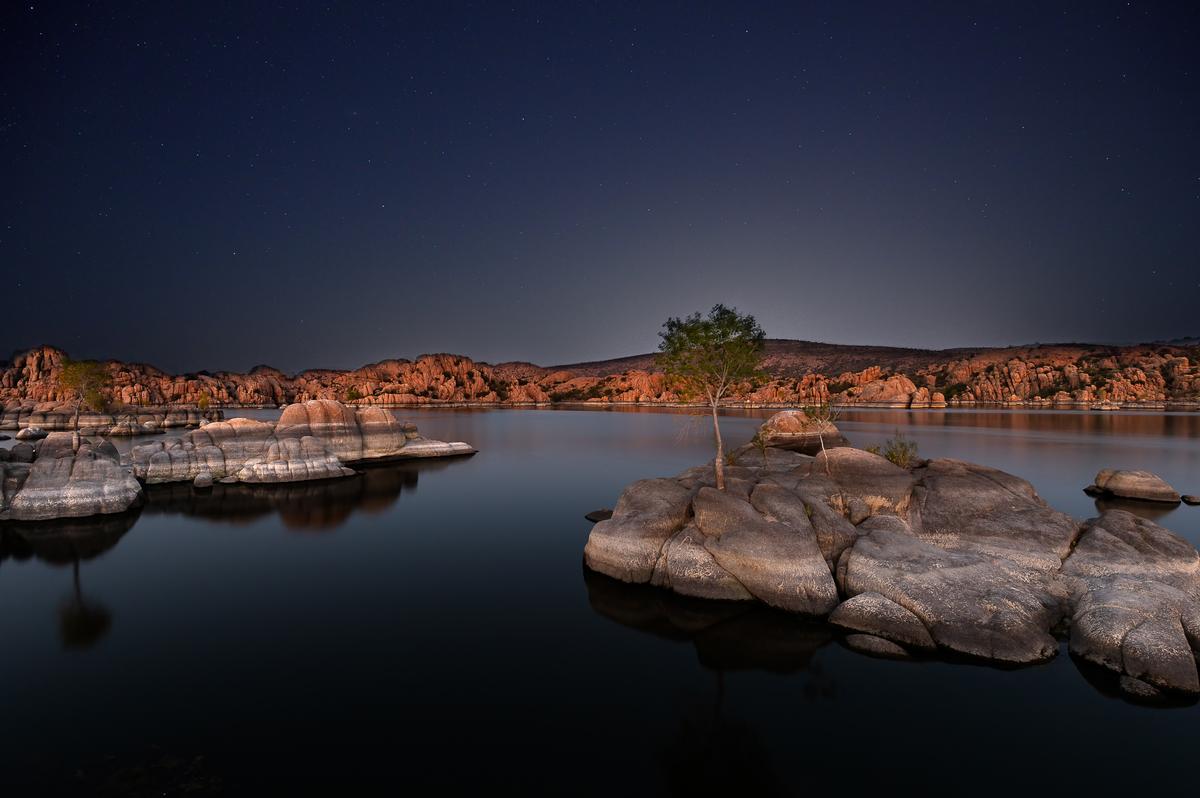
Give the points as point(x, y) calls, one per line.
point(70, 476)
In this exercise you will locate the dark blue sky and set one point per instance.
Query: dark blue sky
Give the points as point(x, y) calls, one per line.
point(212, 186)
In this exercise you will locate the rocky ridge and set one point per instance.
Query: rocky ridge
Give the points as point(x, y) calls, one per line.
point(1151, 375)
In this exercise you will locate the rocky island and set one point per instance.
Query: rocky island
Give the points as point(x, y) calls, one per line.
point(69, 475)
point(944, 557)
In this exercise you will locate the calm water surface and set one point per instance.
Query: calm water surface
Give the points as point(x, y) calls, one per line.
point(431, 626)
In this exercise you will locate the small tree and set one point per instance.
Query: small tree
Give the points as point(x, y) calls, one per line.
point(203, 401)
point(823, 415)
point(86, 380)
point(708, 356)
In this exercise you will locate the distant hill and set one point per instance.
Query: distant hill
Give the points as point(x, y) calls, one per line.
point(788, 358)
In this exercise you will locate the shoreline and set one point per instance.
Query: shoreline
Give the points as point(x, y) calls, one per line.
point(1083, 407)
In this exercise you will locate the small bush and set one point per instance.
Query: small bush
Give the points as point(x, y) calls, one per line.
point(900, 451)
point(353, 394)
point(95, 399)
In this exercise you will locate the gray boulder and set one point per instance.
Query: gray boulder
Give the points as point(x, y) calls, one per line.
point(873, 614)
point(1136, 485)
point(648, 514)
point(31, 434)
point(794, 430)
point(293, 460)
point(71, 477)
point(778, 563)
point(969, 601)
point(22, 453)
point(1136, 596)
point(313, 440)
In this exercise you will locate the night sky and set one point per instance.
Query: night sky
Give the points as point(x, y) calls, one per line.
point(213, 186)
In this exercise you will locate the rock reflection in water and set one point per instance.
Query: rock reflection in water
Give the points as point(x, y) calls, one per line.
point(728, 635)
point(65, 541)
point(314, 506)
point(82, 620)
point(1107, 683)
point(710, 750)
point(1144, 509)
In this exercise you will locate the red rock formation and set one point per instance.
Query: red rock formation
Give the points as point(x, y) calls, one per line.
point(801, 373)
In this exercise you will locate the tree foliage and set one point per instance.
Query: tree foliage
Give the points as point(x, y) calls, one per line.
point(710, 356)
point(86, 380)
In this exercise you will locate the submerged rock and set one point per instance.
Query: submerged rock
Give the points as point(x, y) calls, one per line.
point(1136, 485)
point(31, 434)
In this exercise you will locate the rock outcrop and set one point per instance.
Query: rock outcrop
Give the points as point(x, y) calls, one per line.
point(796, 431)
point(26, 414)
point(70, 477)
point(947, 557)
point(312, 440)
point(1136, 597)
point(800, 372)
point(1136, 485)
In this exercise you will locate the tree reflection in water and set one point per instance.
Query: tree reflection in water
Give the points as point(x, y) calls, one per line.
point(82, 622)
point(711, 750)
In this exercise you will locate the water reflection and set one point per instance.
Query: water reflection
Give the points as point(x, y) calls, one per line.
point(1107, 683)
point(82, 621)
point(728, 635)
point(64, 542)
point(1154, 511)
point(302, 506)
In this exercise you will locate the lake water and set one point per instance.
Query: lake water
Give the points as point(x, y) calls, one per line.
point(431, 626)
